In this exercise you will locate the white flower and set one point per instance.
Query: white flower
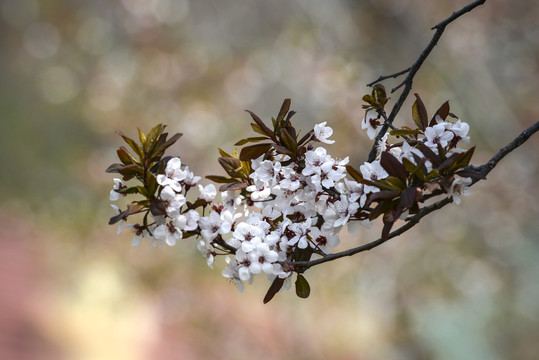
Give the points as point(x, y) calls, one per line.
point(325, 241)
point(207, 193)
point(258, 193)
point(372, 171)
point(262, 259)
point(339, 212)
point(322, 132)
point(173, 174)
point(231, 272)
point(244, 263)
point(460, 129)
point(266, 172)
point(231, 200)
point(437, 134)
point(371, 123)
point(216, 224)
point(314, 160)
point(191, 220)
point(357, 192)
point(291, 179)
point(173, 201)
point(459, 187)
point(114, 194)
point(168, 232)
point(207, 251)
point(190, 178)
point(300, 231)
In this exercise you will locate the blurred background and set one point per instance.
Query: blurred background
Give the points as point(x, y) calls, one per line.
point(463, 284)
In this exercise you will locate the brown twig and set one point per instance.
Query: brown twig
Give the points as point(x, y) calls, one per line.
point(408, 81)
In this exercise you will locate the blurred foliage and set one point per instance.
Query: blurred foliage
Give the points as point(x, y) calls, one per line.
point(460, 285)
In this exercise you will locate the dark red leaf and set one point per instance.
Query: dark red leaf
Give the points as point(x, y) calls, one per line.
point(393, 166)
point(276, 285)
point(251, 152)
point(419, 113)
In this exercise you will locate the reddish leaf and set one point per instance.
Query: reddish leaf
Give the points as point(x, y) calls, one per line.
point(220, 179)
point(443, 112)
point(233, 186)
point(284, 110)
point(231, 165)
point(388, 219)
point(393, 166)
point(251, 152)
point(276, 285)
point(251, 139)
point(429, 154)
point(264, 129)
point(419, 113)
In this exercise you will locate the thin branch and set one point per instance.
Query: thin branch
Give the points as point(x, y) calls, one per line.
point(414, 220)
point(385, 77)
point(519, 140)
point(408, 81)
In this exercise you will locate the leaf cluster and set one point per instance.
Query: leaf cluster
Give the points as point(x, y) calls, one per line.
point(142, 160)
point(412, 182)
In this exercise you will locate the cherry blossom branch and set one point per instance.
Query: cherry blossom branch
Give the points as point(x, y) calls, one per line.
point(408, 81)
point(411, 221)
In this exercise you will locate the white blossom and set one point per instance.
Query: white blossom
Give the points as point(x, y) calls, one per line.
point(437, 134)
point(168, 232)
point(372, 171)
point(322, 132)
point(460, 187)
point(173, 174)
point(371, 123)
point(207, 193)
point(114, 194)
point(173, 200)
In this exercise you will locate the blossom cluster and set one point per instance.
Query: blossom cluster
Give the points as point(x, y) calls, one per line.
point(286, 198)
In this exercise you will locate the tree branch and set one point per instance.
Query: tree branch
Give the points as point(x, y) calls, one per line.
point(408, 81)
point(414, 220)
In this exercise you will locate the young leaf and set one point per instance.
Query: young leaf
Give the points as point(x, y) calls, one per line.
point(388, 219)
point(114, 168)
point(220, 179)
point(142, 138)
point(282, 150)
point(405, 132)
point(251, 152)
point(125, 157)
point(131, 143)
point(130, 171)
point(419, 113)
point(284, 110)
point(131, 209)
point(231, 165)
point(276, 285)
point(464, 158)
point(303, 290)
point(224, 153)
point(288, 141)
point(250, 139)
point(429, 154)
point(393, 166)
point(233, 186)
point(354, 173)
point(442, 112)
point(264, 130)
